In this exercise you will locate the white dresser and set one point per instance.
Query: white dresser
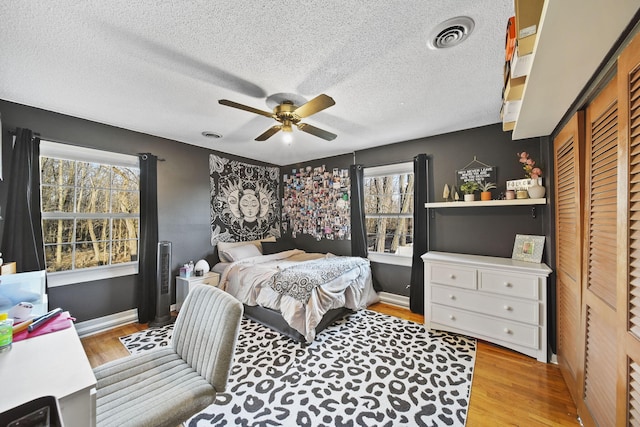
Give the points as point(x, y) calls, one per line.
point(500, 300)
point(184, 285)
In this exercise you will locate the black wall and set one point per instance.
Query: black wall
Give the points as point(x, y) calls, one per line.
point(183, 198)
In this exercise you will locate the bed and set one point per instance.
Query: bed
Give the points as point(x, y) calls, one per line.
point(295, 292)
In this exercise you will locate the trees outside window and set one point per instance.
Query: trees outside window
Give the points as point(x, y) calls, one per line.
point(388, 192)
point(90, 208)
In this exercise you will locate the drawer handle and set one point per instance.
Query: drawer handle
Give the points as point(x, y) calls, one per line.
point(506, 307)
point(452, 317)
point(507, 284)
point(452, 297)
point(452, 276)
point(507, 331)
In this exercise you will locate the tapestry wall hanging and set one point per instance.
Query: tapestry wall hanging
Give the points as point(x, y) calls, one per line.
point(317, 202)
point(244, 201)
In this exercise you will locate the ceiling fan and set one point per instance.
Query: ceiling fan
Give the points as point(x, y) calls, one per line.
point(289, 114)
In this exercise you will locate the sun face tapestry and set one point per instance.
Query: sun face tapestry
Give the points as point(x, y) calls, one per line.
point(244, 201)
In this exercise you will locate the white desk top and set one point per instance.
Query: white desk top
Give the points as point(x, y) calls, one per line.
point(53, 364)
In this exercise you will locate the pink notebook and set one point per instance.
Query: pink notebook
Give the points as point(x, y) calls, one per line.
point(62, 321)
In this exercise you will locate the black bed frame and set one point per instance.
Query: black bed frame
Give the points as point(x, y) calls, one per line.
point(274, 320)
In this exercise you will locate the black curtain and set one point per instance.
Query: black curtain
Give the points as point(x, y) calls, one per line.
point(420, 232)
point(358, 230)
point(146, 289)
point(22, 239)
point(358, 226)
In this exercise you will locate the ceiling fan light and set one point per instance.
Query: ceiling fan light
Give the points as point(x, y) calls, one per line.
point(287, 137)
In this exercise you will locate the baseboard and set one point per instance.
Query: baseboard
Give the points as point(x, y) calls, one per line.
point(102, 324)
point(399, 300)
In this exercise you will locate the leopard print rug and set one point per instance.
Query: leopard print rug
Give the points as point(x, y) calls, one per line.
point(367, 369)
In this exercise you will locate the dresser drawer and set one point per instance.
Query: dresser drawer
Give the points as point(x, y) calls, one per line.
point(509, 284)
point(492, 305)
point(453, 275)
point(480, 325)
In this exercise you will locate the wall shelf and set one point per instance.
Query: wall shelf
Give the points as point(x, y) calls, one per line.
point(480, 203)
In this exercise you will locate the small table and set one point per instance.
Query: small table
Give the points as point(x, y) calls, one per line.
point(53, 364)
point(184, 284)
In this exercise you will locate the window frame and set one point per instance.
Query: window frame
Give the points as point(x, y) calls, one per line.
point(65, 151)
point(386, 170)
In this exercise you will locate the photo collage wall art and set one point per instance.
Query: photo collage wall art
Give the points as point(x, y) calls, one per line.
point(316, 202)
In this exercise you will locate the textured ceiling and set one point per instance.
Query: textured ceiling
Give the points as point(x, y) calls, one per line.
point(160, 67)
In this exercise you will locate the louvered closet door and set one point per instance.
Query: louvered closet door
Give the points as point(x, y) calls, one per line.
point(629, 235)
point(598, 405)
point(569, 162)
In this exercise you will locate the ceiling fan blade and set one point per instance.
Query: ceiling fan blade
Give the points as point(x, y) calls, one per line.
point(244, 107)
point(318, 103)
point(269, 133)
point(316, 131)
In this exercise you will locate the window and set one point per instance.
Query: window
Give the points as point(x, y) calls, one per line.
point(388, 200)
point(90, 213)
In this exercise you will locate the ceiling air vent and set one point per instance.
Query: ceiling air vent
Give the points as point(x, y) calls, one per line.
point(451, 32)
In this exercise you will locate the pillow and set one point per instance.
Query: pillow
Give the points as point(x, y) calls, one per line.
point(236, 253)
point(279, 245)
point(223, 246)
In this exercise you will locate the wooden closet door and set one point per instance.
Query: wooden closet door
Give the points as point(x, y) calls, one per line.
point(599, 296)
point(629, 236)
point(568, 148)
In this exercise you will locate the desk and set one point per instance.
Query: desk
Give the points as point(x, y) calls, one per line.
point(52, 364)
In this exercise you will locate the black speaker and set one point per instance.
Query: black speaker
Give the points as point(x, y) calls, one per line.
point(163, 287)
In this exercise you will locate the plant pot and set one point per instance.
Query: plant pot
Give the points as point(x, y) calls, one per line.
point(469, 197)
point(536, 191)
point(485, 195)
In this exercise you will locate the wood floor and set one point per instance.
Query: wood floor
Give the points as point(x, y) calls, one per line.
point(509, 389)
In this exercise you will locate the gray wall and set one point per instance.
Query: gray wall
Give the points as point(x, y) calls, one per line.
point(183, 198)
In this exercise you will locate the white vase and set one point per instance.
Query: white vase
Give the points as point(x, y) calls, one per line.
point(536, 191)
point(469, 197)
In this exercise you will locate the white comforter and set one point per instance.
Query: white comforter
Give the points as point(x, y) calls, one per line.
point(249, 281)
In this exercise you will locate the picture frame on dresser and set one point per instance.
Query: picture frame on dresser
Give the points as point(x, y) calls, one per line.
point(528, 248)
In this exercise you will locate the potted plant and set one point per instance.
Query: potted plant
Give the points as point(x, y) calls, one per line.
point(485, 187)
point(468, 188)
point(533, 172)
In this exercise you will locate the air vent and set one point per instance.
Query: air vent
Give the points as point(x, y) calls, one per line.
point(209, 134)
point(451, 32)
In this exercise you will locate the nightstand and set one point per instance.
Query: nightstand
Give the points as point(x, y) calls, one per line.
point(184, 284)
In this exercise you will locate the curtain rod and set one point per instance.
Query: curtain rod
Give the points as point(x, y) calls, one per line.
point(144, 154)
point(13, 132)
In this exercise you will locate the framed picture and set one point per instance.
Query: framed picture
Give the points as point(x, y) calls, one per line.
point(528, 248)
